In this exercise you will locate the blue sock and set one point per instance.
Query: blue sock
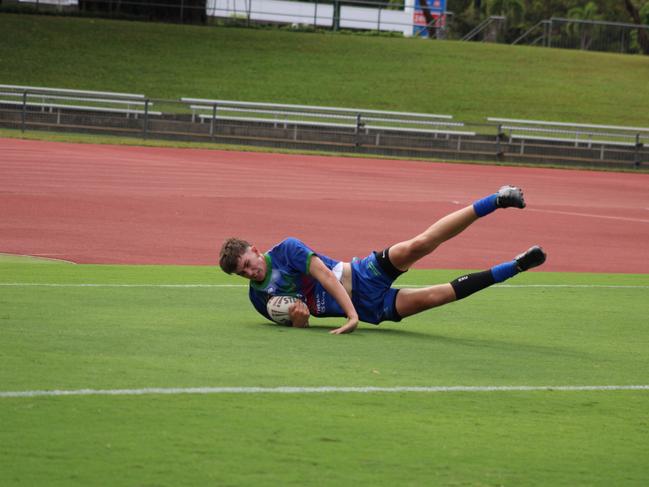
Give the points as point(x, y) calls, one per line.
point(485, 205)
point(504, 271)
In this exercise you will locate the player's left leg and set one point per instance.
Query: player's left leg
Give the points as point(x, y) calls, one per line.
point(404, 254)
point(410, 301)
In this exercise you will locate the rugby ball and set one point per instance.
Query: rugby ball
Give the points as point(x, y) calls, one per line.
point(277, 308)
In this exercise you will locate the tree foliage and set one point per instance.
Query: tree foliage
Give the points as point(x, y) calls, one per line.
point(524, 14)
point(585, 32)
point(513, 10)
point(536, 10)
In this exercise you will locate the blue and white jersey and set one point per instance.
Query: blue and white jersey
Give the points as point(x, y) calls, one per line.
point(288, 275)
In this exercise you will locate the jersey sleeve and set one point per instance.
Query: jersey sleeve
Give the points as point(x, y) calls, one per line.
point(297, 255)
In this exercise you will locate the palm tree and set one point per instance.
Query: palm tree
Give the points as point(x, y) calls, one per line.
point(584, 31)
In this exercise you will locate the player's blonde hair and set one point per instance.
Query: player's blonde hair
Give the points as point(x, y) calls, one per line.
point(231, 250)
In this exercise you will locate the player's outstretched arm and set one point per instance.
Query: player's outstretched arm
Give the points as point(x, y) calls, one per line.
point(328, 280)
point(348, 327)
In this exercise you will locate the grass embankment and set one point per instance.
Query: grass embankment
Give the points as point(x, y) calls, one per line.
point(468, 80)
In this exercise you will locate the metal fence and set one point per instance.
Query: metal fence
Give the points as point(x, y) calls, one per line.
point(365, 15)
point(399, 134)
point(588, 35)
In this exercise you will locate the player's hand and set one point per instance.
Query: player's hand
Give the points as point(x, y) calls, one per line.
point(348, 327)
point(299, 314)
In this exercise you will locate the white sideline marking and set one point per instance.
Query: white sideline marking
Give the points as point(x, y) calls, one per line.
point(309, 390)
point(587, 286)
point(45, 284)
point(191, 286)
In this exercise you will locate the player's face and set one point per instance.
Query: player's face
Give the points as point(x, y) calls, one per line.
point(252, 265)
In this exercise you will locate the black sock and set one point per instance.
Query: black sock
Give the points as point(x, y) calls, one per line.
point(468, 284)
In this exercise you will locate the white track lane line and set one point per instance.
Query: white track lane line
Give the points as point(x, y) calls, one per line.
point(41, 257)
point(590, 215)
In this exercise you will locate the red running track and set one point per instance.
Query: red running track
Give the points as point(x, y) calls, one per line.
point(136, 205)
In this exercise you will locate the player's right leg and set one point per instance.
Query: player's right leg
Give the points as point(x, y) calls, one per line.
point(404, 254)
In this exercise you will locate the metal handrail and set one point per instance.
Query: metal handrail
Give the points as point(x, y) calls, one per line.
point(529, 31)
point(576, 133)
point(53, 91)
point(44, 96)
point(599, 22)
point(482, 26)
point(567, 124)
point(311, 108)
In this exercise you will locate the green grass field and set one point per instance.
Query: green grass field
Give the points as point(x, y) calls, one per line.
point(468, 80)
point(164, 326)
